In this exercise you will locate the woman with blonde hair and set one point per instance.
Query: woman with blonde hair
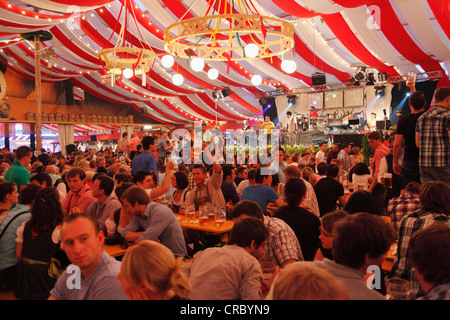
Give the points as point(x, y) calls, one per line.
point(150, 271)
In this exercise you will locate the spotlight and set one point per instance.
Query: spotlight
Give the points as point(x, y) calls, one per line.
point(291, 100)
point(359, 76)
point(280, 89)
point(216, 94)
point(263, 101)
point(379, 91)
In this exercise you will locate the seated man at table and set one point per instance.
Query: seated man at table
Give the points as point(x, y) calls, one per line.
point(93, 273)
point(231, 272)
point(152, 221)
point(80, 195)
point(205, 190)
point(228, 188)
point(106, 203)
point(261, 192)
point(282, 243)
point(429, 250)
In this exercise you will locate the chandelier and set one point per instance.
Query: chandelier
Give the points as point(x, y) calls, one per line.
point(123, 59)
point(228, 36)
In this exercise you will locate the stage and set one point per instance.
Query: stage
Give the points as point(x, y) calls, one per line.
point(314, 137)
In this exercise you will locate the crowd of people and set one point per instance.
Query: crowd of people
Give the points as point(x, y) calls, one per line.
point(323, 219)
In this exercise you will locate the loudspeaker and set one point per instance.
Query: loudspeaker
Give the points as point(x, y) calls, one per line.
point(226, 92)
point(318, 79)
point(383, 125)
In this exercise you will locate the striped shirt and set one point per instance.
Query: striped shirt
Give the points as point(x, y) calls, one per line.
point(282, 242)
point(440, 292)
point(402, 267)
point(433, 127)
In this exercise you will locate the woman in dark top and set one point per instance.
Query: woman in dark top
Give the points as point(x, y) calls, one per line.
point(326, 235)
point(37, 270)
point(305, 224)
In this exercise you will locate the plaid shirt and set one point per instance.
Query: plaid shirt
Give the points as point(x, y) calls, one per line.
point(401, 206)
point(282, 242)
point(440, 292)
point(402, 267)
point(433, 127)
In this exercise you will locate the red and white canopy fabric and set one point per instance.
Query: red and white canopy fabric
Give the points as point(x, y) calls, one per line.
point(333, 37)
point(84, 129)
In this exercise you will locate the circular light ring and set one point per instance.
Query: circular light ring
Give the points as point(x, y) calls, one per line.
point(280, 33)
point(137, 59)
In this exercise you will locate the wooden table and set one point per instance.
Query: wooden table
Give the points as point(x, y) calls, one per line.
point(209, 227)
point(115, 250)
point(390, 256)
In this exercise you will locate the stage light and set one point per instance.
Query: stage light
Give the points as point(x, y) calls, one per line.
point(370, 80)
point(291, 100)
point(379, 91)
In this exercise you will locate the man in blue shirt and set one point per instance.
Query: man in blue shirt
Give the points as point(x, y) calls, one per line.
point(261, 192)
point(146, 161)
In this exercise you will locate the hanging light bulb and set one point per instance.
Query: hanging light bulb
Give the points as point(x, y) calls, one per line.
point(251, 50)
point(197, 64)
point(127, 73)
point(167, 61)
point(177, 79)
point(213, 74)
point(288, 66)
point(256, 80)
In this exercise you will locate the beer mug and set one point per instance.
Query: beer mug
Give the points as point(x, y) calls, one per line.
point(388, 180)
point(219, 217)
point(190, 214)
point(203, 214)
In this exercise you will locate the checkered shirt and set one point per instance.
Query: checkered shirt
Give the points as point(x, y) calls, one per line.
point(411, 223)
point(433, 127)
point(401, 206)
point(282, 242)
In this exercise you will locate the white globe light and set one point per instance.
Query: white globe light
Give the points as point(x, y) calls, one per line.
point(251, 50)
point(167, 61)
point(127, 73)
point(256, 80)
point(177, 79)
point(288, 66)
point(197, 64)
point(213, 74)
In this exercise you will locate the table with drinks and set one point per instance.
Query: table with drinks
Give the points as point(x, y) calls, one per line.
point(208, 219)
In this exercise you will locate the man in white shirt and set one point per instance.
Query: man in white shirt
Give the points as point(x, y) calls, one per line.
point(321, 155)
point(291, 128)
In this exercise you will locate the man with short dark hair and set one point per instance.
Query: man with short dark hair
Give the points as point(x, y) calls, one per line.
point(261, 192)
point(406, 128)
point(231, 272)
point(228, 188)
point(343, 155)
point(328, 191)
point(152, 221)
point(106, 203)
point(93, 273)
point(360, 240)
point(241, 175)
point(429, 250)
point(433, 139)
point(80, 195)
point(282, 243)
point(18, 172)
point(122, 144)
point(291, 128)
point(146, 161)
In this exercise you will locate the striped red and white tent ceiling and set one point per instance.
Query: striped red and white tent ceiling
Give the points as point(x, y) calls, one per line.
point(331, 36)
